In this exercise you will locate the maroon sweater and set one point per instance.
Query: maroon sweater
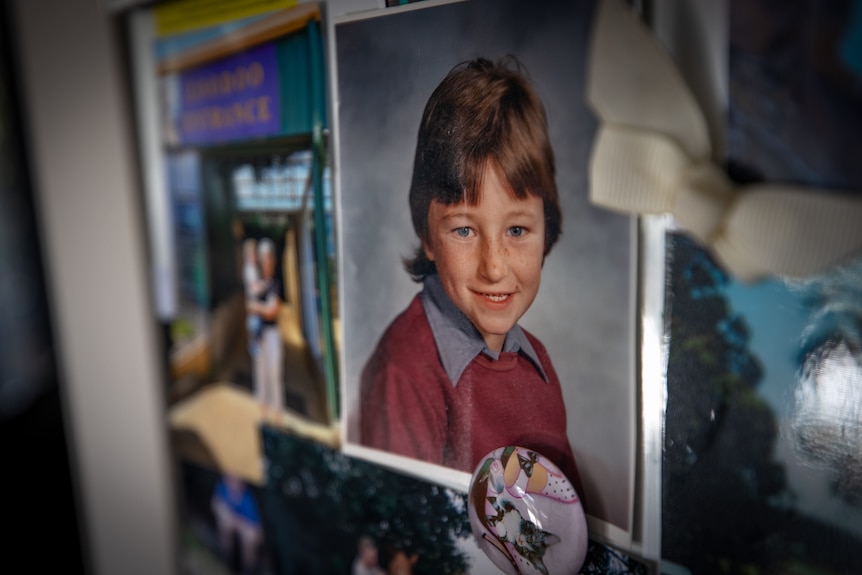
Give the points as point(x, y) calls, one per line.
point(410, 407)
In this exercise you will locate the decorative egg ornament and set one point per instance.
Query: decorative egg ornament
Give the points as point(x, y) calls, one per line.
point(526, 515)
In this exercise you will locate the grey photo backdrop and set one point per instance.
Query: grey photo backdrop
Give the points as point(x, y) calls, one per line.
point(387, 65)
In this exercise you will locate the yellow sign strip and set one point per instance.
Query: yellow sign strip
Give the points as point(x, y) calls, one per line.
point(264, 30)
point(188, 15)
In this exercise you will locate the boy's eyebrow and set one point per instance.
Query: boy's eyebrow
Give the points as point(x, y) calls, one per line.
point(508, 215)
point(522, 212)
point(455, 215)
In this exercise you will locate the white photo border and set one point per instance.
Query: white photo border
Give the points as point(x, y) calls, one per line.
point(643, 535)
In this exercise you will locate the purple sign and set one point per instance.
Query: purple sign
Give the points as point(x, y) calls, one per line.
point(233, 98)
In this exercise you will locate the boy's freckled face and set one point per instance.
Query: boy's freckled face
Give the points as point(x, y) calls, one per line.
point(489, 255)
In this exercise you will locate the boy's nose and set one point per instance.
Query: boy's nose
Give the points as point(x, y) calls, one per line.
point(492, 261)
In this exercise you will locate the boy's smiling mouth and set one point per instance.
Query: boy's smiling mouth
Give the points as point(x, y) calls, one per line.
point(496, 297)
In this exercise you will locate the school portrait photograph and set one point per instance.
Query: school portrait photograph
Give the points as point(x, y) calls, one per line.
point(484, 301)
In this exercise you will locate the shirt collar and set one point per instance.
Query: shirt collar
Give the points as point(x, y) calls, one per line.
point(458, 341)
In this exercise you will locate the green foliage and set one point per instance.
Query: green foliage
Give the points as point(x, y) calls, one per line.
point(718, 473)
point(182, 329)
point(321, 502)
point(725, 504)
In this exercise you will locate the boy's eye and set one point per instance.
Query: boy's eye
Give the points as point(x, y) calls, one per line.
point(517, 231)
point(462, 232)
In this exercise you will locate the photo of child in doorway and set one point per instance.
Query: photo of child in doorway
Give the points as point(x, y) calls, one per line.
point(454, 376)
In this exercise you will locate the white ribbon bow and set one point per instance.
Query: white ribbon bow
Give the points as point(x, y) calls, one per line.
point(652, 155)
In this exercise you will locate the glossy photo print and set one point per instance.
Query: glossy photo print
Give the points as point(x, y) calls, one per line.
point(764, 403)
point(232, 107)
point(762, 415)
point(470, 254)
point(327, 513)
point(239, 217)
point(247, 207)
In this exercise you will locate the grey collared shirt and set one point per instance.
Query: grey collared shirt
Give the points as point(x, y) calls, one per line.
point(458, 341)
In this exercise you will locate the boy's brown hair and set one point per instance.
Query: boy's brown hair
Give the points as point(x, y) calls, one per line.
point(482, 112)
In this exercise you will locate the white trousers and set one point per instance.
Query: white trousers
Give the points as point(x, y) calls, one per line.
point(268, 385)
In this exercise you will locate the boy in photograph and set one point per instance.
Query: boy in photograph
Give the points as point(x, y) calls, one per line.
point(454, 376)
